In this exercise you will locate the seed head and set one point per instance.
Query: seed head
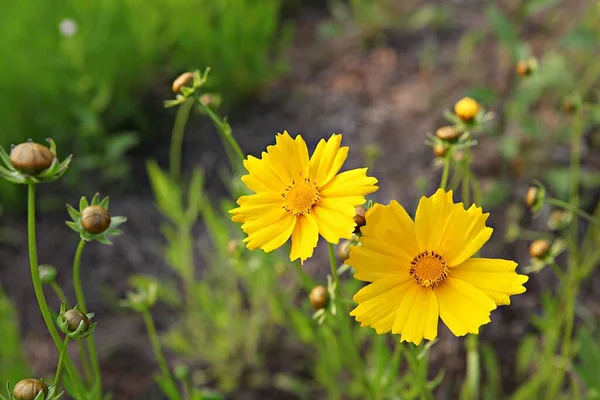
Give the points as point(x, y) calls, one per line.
point(182, 80)
point(95, 219)
point(466, 108)
point(28, 389)
point(359, 218)
point(318, 297)
point(448, 133)
point(439, 150)
point(539, 248)
point(344, 250)
point(31, 158)
point(74, 317)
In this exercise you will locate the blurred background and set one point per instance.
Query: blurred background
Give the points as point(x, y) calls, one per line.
point(93, 76)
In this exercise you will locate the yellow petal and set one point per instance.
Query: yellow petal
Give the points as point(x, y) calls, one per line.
point(261, 177)
point(464, 234)
point(351, 186)
point(379, 302)
point(463, 307)
point(304, 238)
point(327, 160)
point(255, 206)
point(417, 316)
point(370, 265)
point(495, 277)
point(431, 217)
point(335, 219)
point(293, 154)
point(271, 236)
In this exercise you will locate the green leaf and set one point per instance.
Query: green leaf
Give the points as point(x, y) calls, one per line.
point(526, 354)
point(166, 193)
point(589, 360)
point(73, 213)
point(83, 203)
point(505, 31)
point(96, 199)
point(105, 203)
point(103, 239)
point(167, 386)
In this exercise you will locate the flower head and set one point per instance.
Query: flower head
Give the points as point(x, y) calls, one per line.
point(422, 271)
point(466, 108)
point(300, 197)
point(32, 163)
point(93, 222)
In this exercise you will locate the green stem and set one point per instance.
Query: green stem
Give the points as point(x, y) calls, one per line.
point(334, 271)
point(83, 358)
point(472, 380)
point(39, 293)
point(156, 347)
point(572, 208)
point(59, 368)
point(445, 171)
point(183, 113)
point(82, 306)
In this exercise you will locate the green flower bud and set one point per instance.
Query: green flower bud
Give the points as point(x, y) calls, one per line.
point(47, 274)
point(74, 323)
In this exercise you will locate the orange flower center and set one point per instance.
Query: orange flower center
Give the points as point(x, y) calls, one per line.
point(300, 197)
point(429, 269)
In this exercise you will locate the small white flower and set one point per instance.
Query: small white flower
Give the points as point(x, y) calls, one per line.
point(68, 27)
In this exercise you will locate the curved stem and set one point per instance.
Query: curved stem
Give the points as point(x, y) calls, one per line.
point(183, 113)
point(59, 367)
point(39, 292)
point(572, 208)
point(156, 347)
point(82, 306)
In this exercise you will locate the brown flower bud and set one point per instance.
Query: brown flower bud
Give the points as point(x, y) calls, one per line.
point(318, 297)
point(539, 248)
point(448, 133)
point(359, 218)
point(31, 158)
point(74, 317)
point(182, 80)
point(522, 68)
point(95, 219)
point(28, 389)
point(344, 250)
point(232, 246)
point(466, 108)
point(439, 150)
point(532, 196)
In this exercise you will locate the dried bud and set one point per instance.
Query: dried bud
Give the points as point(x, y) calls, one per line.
point(344, 250)
point(448, 133)
point(182, 80)
point(359, 218)
point(539, 248)
point(95, 219)
point(31, 158)
point(466, 109)
point(73, 319)
point(439, 150)
point(47, 274)
point(29, 389)
point(531, 197)
point(318, 297)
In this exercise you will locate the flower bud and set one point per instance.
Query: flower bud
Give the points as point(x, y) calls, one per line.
point(47, 274)
point(531, 197)
point(344, 250)
point(539, 248)
point(559, 219)
point(182, 80)
point(526, 67)
point(439, 150)
point(95, 219)
point(448, 133)
point(318, 297)
point(29, 389)
point(73, 318)
point(31, 158)
point(466, 109)
point(359, 218)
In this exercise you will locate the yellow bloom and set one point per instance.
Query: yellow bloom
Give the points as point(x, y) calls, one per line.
point(300, 197)
point(466, 108)
point(423, 270)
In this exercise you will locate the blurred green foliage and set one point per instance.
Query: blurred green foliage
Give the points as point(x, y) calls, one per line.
point(12, 359)
point(79, 72)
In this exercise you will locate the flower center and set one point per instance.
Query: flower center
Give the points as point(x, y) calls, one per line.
point(300, 197)
point(429, 269)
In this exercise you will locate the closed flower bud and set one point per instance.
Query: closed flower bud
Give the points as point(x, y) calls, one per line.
point(439, 150)
point(559, 219)
point(448, 133)
point(539, 248)
point(182, 80)
point(466, 109)
point(318, 297)
point(31, 158)
point(73, 319)
point(344, 250)
point(47, 274)
point(95, 219)
point(29, 389)
point(526, 67)
point(532, 196)
point(359, 218)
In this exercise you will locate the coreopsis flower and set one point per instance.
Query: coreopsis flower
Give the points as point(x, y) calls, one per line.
point(423, 270)
point(300, 197)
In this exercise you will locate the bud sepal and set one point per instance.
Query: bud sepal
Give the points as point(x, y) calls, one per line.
point(31, 389)
point(93, 222)
point(32, 169)
point(74, 323)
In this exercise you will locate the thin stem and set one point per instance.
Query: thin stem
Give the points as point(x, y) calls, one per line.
point(83, 358)
point(472, 379)
point(39, 293)
point(59, 368)
point(572, 208)
point(444, 181)
point(82, 306)
point(334, 271)
point(156, 347)
point(183, 113)
point(306, 280)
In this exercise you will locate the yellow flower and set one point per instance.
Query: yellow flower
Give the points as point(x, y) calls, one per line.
point(300, 197)
point(466, 108)
point(423, 270)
